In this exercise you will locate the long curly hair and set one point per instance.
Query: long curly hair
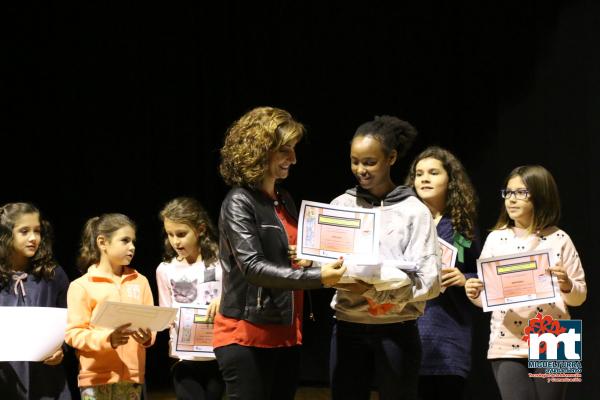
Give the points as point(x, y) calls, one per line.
point(189, 211)
point(251, 139)
point(543, 193)
point(105, 225)
point(42, 264)
point(461, 198)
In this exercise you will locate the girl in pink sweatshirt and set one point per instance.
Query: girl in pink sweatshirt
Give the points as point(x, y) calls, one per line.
point(527, 223)
point(111, 361)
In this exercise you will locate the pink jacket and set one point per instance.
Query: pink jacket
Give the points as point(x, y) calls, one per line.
point(99, 363)
point(506, 327)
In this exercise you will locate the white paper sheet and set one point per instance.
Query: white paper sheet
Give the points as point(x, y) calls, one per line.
point(449, 255)
point(31, 333)
point(326, 232)
point(113, 314)
point(386, 275)
point(517, 280)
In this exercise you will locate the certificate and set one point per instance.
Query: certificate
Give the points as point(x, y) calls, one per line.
point(195, 333)
point(31, 333)
point(449, 254)
point(326, 232)
point(517, 280)
point(112, 314)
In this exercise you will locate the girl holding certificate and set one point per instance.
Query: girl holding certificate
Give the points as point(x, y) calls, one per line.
point(375, 335)
point(442, 183)
point(258, 326)
point(112, 362)
point(190, 278)
point(527, 223)
point(30, 277)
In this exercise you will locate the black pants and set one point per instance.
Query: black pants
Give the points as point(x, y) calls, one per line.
point(388, 353)
point(512, 376)
point(441, 387)
point(253, 373)
point(197, 380)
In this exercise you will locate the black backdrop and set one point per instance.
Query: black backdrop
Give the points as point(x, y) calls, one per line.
point(122, 106)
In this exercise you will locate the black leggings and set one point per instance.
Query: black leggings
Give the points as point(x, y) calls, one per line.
point(253, 373)
point(390, 354)
point(197, 380)
point(441, 387)
point(512, 377)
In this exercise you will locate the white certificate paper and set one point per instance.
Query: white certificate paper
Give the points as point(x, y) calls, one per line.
point(194, 334)
point(31, 333)
point(112, 314)
point(326, 232)
point(517, 280)
point(449, 254)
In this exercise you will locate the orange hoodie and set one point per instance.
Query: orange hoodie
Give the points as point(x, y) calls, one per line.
point(100, 364)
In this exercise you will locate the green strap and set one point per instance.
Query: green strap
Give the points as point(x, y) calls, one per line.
point(461, 243)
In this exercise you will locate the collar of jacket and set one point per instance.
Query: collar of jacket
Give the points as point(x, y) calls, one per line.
point(395, 196)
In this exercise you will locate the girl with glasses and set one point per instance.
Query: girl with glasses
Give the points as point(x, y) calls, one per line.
point(527, 222)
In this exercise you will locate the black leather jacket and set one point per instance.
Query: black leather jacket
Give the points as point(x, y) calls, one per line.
point(257, 276)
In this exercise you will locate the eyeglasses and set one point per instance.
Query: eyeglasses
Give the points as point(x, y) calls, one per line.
point(520, 194)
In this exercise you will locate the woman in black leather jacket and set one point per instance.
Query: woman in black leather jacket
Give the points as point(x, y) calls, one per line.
point(258, 327)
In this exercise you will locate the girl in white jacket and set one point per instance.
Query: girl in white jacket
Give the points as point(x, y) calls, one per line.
point(375, 336)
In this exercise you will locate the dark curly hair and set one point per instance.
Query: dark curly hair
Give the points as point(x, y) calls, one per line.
point(392, 132)
point(461, 198)
point(189, 211)
point(251, 139)
point(42, 264)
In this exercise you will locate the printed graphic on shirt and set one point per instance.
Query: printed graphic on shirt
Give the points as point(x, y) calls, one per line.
point(185, 291)
point(200, 290)
point(379, 309)
point(133, 291)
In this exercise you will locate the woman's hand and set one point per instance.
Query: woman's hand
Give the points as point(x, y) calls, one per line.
point(292, 255)
point(452, 277)
point(473, 288)
point(120, 336)
point(55, 358)
point(142, 336)
point(560, 272)
point(332, 273)
point(213, 307)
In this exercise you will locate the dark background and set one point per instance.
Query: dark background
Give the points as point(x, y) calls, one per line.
point(122, 106)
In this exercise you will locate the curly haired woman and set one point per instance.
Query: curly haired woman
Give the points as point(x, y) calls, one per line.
point(258, 326)
point(442, 183)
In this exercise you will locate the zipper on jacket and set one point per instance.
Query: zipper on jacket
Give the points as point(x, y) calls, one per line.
point(287, 246)
point(259, 299)
point(311, 315)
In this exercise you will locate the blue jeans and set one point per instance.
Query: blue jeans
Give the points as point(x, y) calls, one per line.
point(388, 355)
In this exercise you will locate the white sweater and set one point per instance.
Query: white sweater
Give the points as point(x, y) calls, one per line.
point(407, 234)
point(506, 329)
point(187, 285)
